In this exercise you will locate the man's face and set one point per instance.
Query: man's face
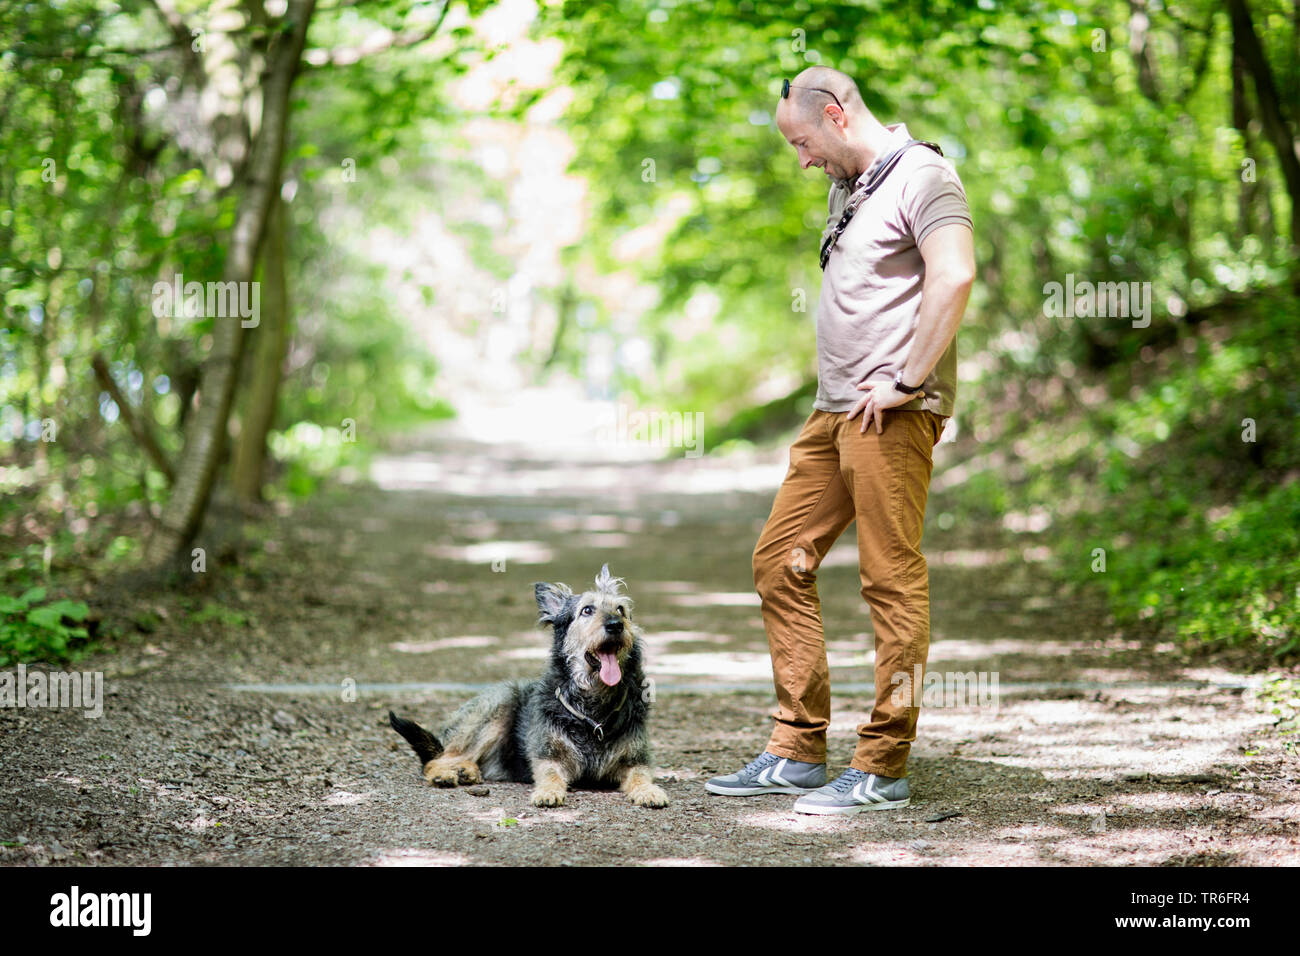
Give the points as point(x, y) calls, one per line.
point(813, 139)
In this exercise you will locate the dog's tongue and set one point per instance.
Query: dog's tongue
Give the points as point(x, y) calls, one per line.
point(609, 670)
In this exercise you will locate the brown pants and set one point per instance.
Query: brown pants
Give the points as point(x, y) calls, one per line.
point(836, 475)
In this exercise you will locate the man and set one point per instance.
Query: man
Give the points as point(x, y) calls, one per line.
point(895, 284)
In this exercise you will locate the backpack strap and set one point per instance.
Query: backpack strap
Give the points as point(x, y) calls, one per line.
point(863, 193)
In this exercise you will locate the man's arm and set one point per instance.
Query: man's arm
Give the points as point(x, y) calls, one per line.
point(949, 254)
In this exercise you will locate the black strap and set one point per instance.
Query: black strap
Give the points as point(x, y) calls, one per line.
point(596, 728)
point(864, 193)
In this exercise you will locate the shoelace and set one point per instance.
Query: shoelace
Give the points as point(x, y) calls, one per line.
point(846, 782)
point(762, 762)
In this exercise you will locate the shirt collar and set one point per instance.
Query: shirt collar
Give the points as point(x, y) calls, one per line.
point(898, 135)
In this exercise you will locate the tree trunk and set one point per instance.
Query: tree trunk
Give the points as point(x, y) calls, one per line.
point(1277, 126)
point(1139, 24)
point(270, 343)
point(205, 436)
point(1241, 120)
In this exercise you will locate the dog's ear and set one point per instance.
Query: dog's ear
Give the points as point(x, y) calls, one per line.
point(551, 600)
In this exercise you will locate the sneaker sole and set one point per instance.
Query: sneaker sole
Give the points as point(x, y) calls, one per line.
point(755, 791)
point(856, 808)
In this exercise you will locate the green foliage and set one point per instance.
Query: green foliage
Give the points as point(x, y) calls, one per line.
point(111, 183)
point(212, 612)
point(32, 629)
point(1281, 696)
point(1074, 162)
point(1184, 469)
point(1233, 581)
point(1070, 166)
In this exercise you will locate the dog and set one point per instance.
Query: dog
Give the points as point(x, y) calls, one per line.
point(583, 723)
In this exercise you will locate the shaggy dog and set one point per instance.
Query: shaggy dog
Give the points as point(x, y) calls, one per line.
point(582, 723)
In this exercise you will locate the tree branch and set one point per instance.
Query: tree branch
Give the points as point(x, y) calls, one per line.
point(143, 435)
point(182, 36)
point(89, 53)
point(380, 41)
point(1207, 32)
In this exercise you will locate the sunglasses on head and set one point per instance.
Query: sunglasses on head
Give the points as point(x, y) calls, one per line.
point(786, 87)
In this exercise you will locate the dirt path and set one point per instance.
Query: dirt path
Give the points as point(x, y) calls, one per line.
point(228, 735)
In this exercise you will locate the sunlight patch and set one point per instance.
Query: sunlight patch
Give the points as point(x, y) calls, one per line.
point(1164, 800)
point(971, 557)
point(569, 523)
point(680, 861)
point(523, 552)
point(983, 853)
point(1138, 847)
point(672, 587)
point(523, 654)
point(956, 649)
point(509, 819)
point(1033, 831)
point(661, 638)
point(342, 798)
point(442, 643)
point(392, 474)
point(734, 665)
point(604, 540)
point(718, 599)
point(792, 822)
point(414, 857)
point(479, 530)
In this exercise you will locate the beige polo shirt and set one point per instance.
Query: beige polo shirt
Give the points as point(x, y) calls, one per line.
point(871, 289)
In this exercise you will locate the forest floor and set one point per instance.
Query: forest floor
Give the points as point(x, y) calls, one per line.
point(245, 723)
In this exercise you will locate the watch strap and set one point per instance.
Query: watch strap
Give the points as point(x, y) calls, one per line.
point(898, 384)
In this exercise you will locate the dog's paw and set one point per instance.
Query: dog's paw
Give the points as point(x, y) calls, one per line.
point(649, 796)
point(436, 776)
point(467, 773)
point(545, 797)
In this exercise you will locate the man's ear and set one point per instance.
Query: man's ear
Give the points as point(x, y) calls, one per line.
point(551, 599)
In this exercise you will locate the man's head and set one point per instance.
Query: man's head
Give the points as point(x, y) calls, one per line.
point(841, 138)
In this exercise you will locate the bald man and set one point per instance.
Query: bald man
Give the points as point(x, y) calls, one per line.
point(896, 279)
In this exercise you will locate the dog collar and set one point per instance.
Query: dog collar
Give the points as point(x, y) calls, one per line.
point(597, 728)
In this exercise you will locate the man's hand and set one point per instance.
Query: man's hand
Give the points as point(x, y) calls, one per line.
point(949, 256)
point(880, 397)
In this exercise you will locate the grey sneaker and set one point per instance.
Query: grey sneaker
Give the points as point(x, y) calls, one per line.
point(854, 791)
point(770, 774)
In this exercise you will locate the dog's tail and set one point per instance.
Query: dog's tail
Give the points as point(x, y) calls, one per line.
point(425, 744)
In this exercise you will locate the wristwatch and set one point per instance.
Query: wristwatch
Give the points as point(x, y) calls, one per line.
point(898, 384)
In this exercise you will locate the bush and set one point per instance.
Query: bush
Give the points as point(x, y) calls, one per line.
point(32, 630)
point(1232, 581)
point(1185, 471)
